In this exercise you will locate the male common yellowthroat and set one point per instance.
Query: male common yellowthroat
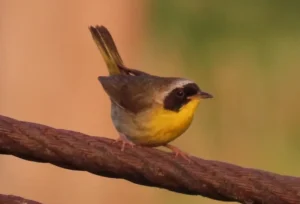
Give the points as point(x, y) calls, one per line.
point(146, 110)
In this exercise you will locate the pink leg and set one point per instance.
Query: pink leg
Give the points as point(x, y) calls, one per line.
point(177, 152)
point(122, 138)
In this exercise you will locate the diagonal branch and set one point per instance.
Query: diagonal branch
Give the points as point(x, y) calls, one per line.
point(11, 199)
point(145, 166)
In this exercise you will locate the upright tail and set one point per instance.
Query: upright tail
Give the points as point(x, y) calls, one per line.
point(108, 49)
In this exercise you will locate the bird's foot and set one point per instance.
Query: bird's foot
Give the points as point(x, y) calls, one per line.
point(178, 152)
point(122, 138)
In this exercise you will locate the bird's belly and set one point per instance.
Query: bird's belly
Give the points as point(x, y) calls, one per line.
point(157, 134)
point(154, 128)
point(165, 128)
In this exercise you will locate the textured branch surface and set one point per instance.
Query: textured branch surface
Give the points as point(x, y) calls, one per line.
point(145, 166)
point(10, 199)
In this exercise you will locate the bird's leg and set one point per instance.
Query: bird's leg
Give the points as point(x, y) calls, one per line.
point(122, 138)
point(177, 152)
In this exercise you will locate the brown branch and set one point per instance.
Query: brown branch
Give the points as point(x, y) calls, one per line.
point(145, 166)
point(10, 199)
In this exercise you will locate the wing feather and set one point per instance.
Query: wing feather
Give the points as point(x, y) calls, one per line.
point(133, 93)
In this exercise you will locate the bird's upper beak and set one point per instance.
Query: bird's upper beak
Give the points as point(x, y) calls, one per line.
point(201, 94)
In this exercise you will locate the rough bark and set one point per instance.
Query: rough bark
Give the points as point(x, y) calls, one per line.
point(145, 166)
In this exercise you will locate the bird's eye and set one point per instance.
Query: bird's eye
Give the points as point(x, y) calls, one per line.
point(180, 93)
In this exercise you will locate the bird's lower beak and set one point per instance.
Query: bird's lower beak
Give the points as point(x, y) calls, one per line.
point(202, 95)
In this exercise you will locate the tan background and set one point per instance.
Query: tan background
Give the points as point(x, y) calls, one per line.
point(49, 67)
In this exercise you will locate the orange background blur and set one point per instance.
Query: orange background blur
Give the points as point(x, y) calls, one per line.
point(245, 54)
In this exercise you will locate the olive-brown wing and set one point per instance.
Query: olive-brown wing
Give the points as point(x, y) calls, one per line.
point(133, 93)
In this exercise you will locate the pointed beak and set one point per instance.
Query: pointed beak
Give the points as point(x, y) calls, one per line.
point(202, 95)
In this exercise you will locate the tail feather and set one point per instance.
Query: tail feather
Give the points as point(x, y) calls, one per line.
point(108, 49)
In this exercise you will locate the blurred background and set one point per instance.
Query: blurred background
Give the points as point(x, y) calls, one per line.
point(246, 53)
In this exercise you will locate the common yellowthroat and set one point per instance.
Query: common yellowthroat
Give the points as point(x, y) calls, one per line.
point(146, 110)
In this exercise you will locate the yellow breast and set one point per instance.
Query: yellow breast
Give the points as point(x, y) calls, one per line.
point(167, 125)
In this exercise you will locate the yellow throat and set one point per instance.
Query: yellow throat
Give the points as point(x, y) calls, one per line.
point(168, 125)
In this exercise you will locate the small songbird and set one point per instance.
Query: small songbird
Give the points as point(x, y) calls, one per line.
point(146, 110)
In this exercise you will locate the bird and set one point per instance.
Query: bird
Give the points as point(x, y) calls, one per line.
point(146, 110)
